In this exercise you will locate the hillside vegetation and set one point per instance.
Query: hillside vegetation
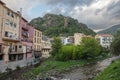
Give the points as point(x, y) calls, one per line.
point(59, 25)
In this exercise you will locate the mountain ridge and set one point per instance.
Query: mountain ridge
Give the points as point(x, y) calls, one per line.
point(111, 30)
point(59, 25)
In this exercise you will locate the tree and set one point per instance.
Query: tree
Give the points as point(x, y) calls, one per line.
point(115, 46)
point(56, 46)
point(90, 48)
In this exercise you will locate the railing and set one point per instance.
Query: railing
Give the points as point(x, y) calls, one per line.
point(27, 40)
point(18, 51)
point(25, 28)
point(25, 34)
point(11, 38)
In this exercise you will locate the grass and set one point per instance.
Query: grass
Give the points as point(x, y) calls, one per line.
point(112, 72)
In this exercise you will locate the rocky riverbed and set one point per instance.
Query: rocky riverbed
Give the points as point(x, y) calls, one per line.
point(86, 72)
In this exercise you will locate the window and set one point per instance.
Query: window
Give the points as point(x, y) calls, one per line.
point(35, 33)
point(20, 46)
point(6, 34)
point(15, 25)
point(11, 23)
point(35, 40)
point(1, 57)
point(8, 13)
point(12, 15)
point(38, 34)
point(7, 21)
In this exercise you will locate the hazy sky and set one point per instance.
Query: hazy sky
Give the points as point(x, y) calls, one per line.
point(97, 14)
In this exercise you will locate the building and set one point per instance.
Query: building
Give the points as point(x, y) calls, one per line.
point(78, 38)
point(104, 39)
point(37, 43)
point(16, 39)
point(46, 46)
point(1, 42)
point(67, 40)
point(9, 33)
point(26, 34)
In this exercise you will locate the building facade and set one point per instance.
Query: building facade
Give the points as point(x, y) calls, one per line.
point(46, 47)
point(9, 33)
point(37, 41)
point(78, 38)
point(67, 40)
point(26, 34)
point(104, 39)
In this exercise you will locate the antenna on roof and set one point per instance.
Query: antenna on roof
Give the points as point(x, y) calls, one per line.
point(21, 11)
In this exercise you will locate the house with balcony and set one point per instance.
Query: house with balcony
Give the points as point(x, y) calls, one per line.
point(26, 33)
point(104, 40)
point(1, 42)
point(9, 30)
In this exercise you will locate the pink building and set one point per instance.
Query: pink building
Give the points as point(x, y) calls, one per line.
point(26, 33)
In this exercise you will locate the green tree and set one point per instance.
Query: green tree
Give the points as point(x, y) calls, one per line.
point(56, 46)
point(90, 48)
point(115, 46)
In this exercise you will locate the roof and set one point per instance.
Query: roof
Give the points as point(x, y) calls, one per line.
point(2, 2)
point(24, 19)
point(105, 35)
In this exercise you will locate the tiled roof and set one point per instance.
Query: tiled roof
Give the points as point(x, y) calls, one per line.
point(105, 35)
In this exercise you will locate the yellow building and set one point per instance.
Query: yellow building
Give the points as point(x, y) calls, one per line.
point(37, 43)
point(9, 29)
point(78, 38)
point(46, 48)
point(1, 43)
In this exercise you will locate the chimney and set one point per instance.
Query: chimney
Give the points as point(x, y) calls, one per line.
point(20, 12)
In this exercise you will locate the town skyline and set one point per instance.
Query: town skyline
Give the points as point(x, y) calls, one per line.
point(97, 14)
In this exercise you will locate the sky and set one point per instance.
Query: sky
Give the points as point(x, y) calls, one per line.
point(97, 14)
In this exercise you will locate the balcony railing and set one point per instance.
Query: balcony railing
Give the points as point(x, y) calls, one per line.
point(11, 39)
point(18, 51)
point(25, 34)
point(27, 40)
point(25, 28)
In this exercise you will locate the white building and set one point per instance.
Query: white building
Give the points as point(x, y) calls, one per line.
point(104, 40)
point(67, 40)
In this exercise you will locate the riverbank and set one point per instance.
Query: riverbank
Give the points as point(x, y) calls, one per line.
point(112, 72)
point(85, 69)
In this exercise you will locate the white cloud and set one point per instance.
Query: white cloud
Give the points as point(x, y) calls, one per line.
point(26, 6)
point(92, 12)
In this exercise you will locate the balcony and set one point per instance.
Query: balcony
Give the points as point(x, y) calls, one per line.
point(26, 40)
point(25, 28)
point(11, 39)
point(25, 34)
point(16, 51)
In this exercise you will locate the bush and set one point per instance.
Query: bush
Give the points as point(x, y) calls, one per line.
point(89, 49)
point(9, 70)
point(67, 52)
point(18, 67)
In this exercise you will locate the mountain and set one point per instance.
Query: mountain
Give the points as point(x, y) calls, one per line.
point(111, 30)
point(59, 25)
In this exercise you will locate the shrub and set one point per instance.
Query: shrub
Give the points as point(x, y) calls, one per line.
point(18, 68)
